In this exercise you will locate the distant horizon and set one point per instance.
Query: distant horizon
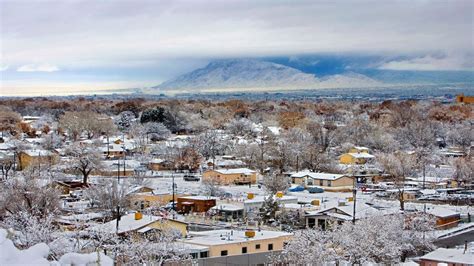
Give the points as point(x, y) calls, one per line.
point(51, 48)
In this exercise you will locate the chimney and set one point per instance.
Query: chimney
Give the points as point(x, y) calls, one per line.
point(138, 216)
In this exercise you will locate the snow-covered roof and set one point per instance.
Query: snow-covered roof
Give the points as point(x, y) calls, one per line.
point(245, 171)
point(227, 207)
point(6, 146)
point(157, 160)
point(324, 176)
point(362, 211)
point(441, 212)
point(450, 255)
point(199, 197)
point(361, 155)
point(127, 223)
point(35, 153)
point(261, 199)
point(220, 237)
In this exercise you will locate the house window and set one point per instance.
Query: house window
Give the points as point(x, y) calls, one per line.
point(321, 182)
point(244, 250)
point(329, 183)
point(270, 247)
point(257, 246)
point(204, 254)
point(194, 255)
point(224, 253)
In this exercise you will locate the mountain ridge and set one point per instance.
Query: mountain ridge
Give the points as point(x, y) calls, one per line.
point(253, 73)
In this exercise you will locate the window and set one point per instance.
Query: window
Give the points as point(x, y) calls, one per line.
point(321, 182)
point(194, 255)
point(204, 254)
point(244, 250)
point(270, 246)
point(329, 183)
point(224, 253)
point(257, 246)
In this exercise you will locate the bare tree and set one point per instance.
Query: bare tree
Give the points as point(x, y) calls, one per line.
point(398, 167)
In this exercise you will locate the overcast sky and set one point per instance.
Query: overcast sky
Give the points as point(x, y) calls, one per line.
point(148, 41)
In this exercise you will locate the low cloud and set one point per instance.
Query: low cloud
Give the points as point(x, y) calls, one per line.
point(38, 68)
point(430, 63)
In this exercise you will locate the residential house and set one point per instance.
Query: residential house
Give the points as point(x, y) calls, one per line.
point(356, 158)
point(222, 243)
point(189, 204)
point(68, 187)
point(461, 98)
point(225, 161)
point(36, 158)
point(228, 212)
point(254, 203)
point(445, 218)
point(141, 224)
point(160, 165)
point(343, 212)
point(145, 197)
point(328, 180)
point(231, 176)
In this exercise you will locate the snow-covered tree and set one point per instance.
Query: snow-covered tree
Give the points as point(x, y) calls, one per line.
point(269, 209)
point(84, 160)
point(275, 182)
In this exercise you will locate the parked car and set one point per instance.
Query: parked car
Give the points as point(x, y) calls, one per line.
point(170, 205)
point(296, 189)
point(191, 178)
point(315, 190)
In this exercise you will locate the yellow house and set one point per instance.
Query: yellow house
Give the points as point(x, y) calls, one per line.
point(141, 224)
point(355, 158)
point(147, 198)
point(231, 176)
point(36, 158)
point(221, 243)
point(464, 99)
point(159, 165)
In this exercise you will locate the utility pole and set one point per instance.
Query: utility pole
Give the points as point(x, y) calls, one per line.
point(118, 171)
point(173, 204)
point(118, 218)
point(354, 195)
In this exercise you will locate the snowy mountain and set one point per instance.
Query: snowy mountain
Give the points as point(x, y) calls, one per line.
point(348, 80)
point(251, 73)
